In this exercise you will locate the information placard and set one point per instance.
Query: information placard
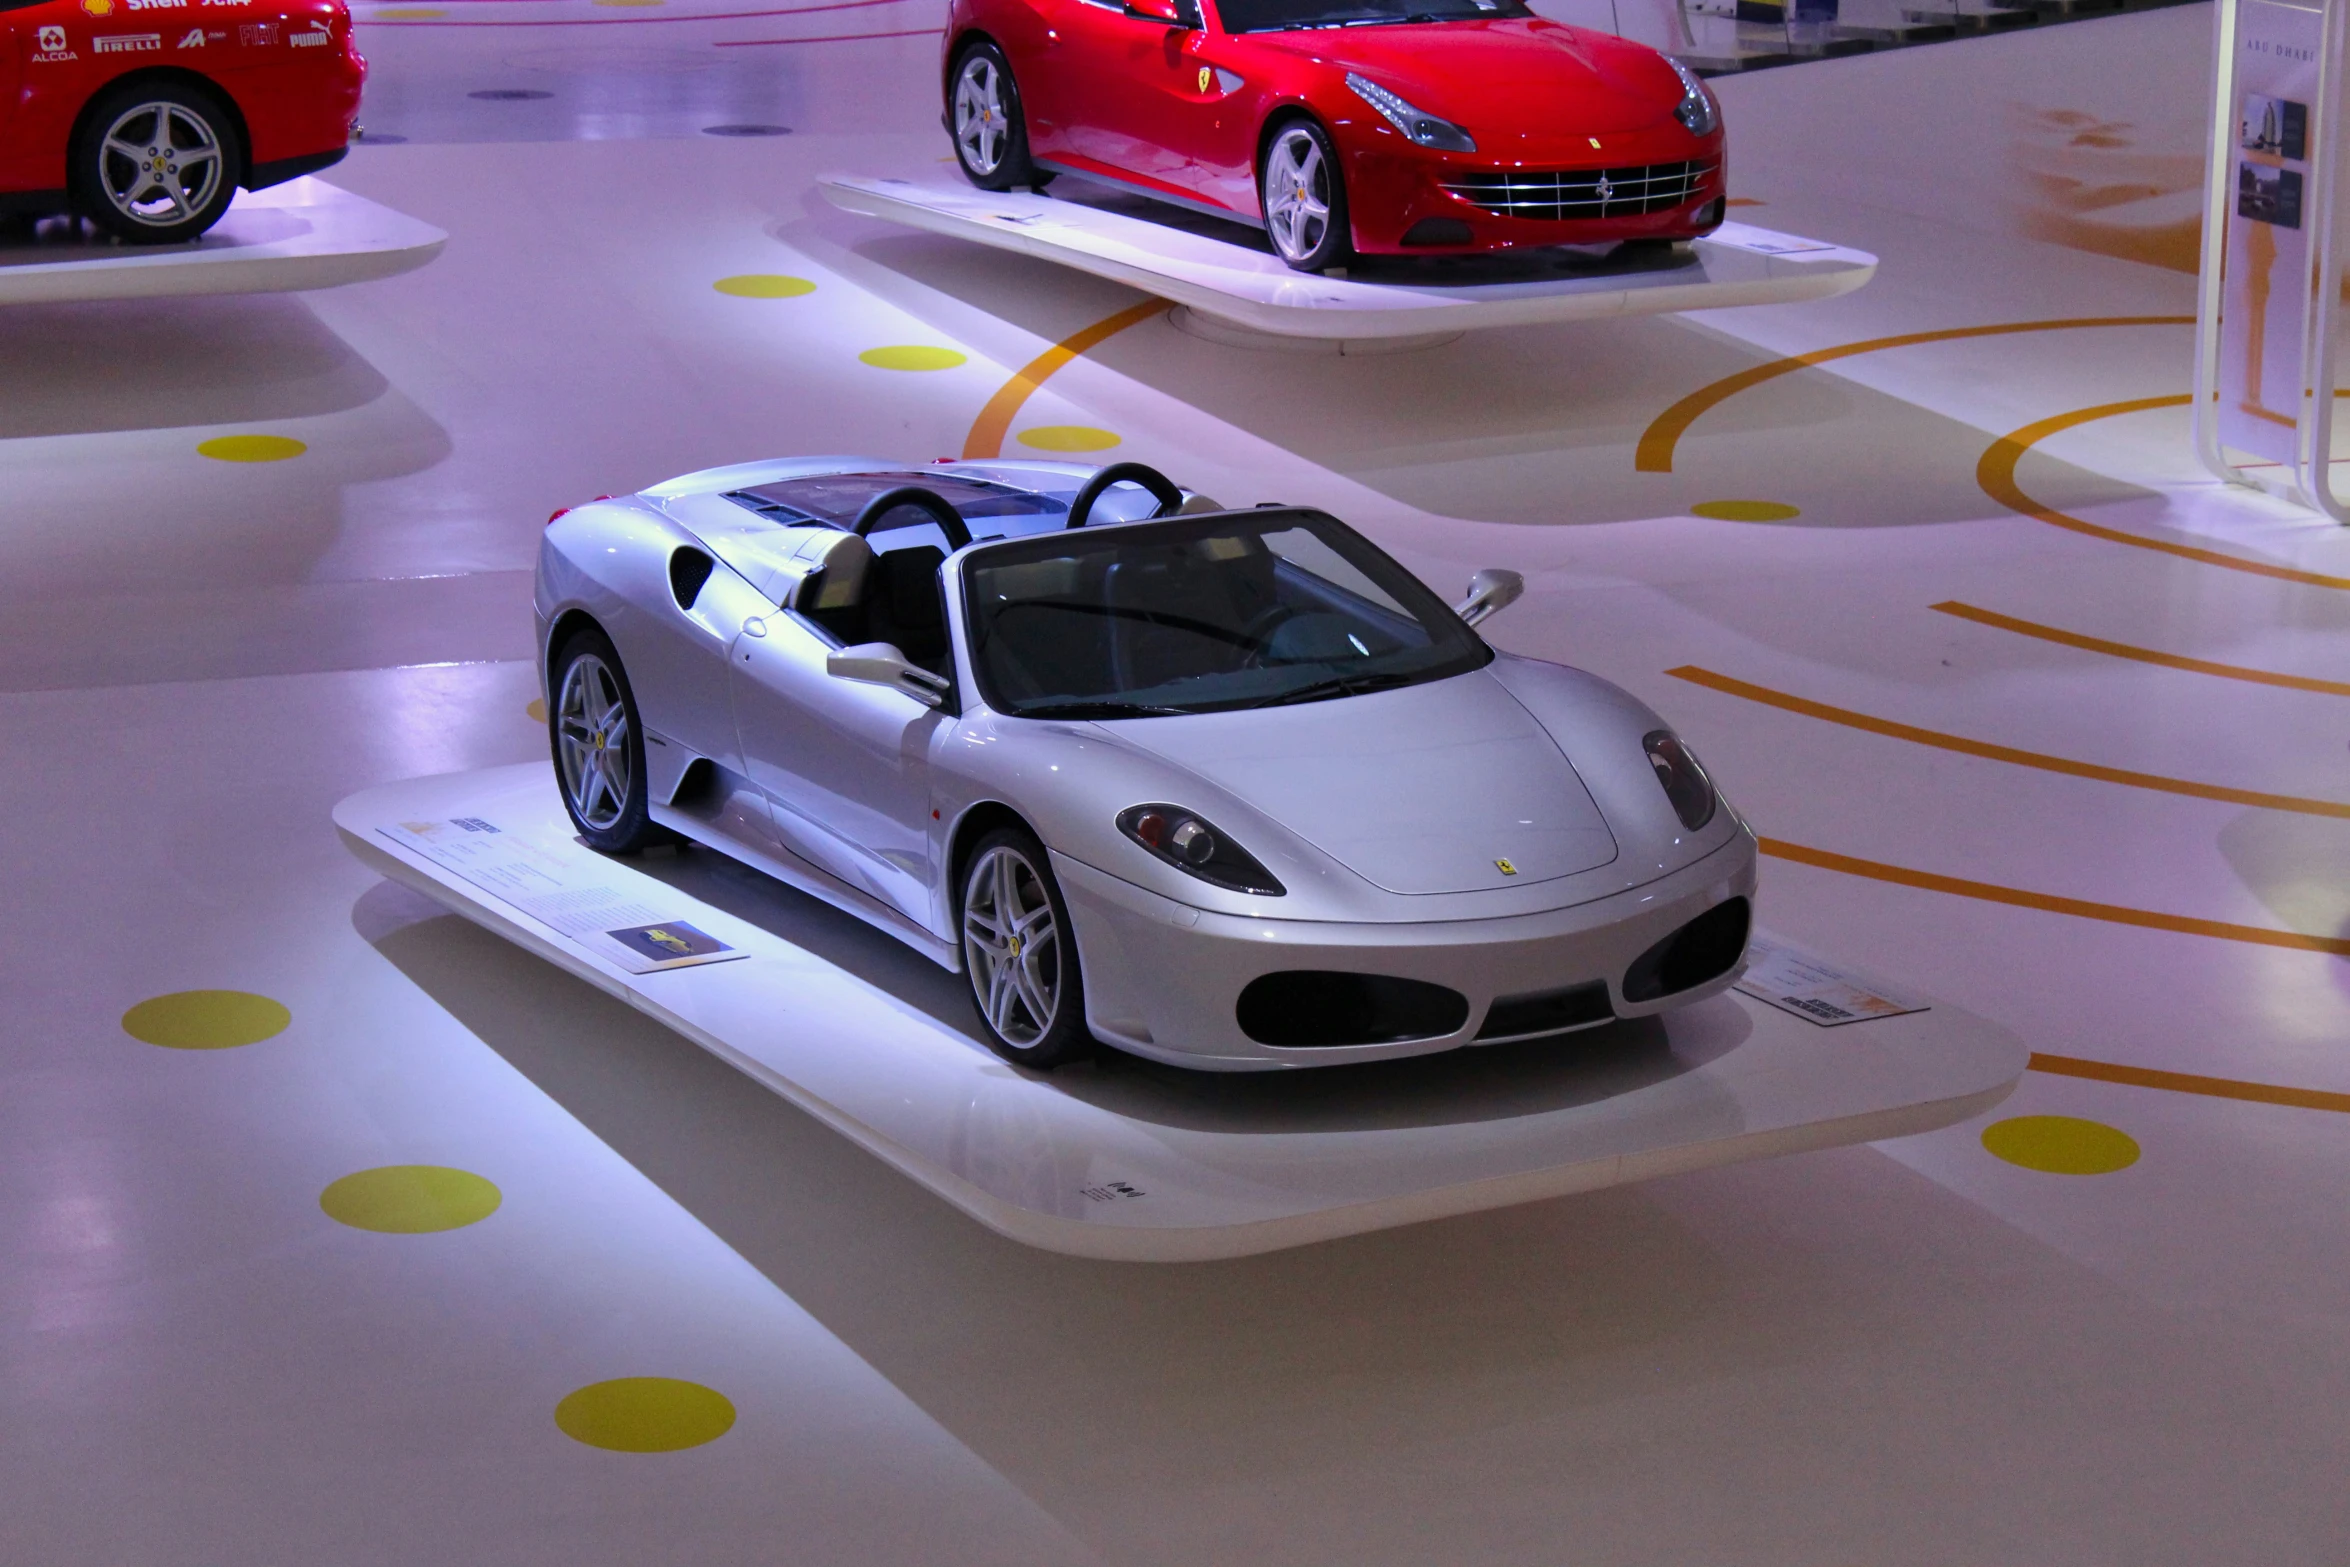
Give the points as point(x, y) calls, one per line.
point(561, 893)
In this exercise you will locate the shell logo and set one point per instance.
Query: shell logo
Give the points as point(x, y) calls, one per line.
point(98, 7)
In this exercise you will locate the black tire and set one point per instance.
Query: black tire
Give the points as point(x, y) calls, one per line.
point(990, 116)
point(613, 814)
point(998, 952)
point(1308, 244)
point(156, 163)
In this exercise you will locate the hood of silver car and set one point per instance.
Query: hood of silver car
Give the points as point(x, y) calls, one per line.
point(1445, 787)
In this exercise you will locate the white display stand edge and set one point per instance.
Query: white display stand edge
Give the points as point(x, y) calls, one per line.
point(889, 1079)
point(303, 234)
point(1254, 290)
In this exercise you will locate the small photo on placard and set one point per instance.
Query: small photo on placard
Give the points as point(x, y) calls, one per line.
point(669, 941)
point(2267, 195)
point(2277, 127)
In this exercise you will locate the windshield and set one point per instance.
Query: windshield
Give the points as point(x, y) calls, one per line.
point(1201, 614)
point(1270, 16)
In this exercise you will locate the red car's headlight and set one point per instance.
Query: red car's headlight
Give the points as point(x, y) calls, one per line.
point(1425, 129)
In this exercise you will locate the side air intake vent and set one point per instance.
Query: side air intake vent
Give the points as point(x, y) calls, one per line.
point(1315, 1008)
point(1708, 947)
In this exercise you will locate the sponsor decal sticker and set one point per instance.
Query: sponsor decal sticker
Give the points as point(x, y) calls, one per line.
point(194, 39)
point(257, 35)
point(126, 43)
point(52, 40)
point(307, 40)
point(98, 7)
point(158, 5)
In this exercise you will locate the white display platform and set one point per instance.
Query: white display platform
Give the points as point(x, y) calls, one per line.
point(300, 235)
point(1140, 1162)
point(1430, 299)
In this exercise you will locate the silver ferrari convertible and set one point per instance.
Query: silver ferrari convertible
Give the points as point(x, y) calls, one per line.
point(1226, 788)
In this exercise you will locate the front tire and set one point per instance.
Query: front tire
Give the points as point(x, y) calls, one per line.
point(599, 747)
point(1304, 198)
point(1020, 954)
point(985, 119)
point(157, 163)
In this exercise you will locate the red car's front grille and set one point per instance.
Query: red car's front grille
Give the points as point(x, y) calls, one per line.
point(1561, 194)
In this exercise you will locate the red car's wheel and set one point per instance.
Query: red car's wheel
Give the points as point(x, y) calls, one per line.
point(983, 112)
point(157, 162)
point(1304, 197)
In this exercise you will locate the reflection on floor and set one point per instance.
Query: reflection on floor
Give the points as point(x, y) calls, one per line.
point(1912, 1353)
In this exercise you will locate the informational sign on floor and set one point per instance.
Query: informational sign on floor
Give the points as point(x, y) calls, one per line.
point(562, 893)
point(1794, 981)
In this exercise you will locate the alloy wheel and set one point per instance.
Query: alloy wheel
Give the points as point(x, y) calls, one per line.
point(1297, 194)
point(981, 125)
point(160, 164)
point(591, 722)
point(1011, 942)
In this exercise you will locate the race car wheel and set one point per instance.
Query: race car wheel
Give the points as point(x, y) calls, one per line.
point(1304, 198)
point(991, 134)
point(1019, 953)
point(157, 162)
point(600, 747)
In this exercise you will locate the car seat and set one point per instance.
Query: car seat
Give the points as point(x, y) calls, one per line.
point(905, 605)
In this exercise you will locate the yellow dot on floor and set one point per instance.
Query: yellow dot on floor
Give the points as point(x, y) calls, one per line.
point(251, 448)
point(205, 1019)
point(644, 1415)
point(537, 711)
point(410, 1199)
point(1068, 438)
point(912, 356)
point(1746, 511)
point(753, 285)
point(2061, 1144)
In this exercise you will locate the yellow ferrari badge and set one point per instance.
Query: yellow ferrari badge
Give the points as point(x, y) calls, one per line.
point(1505, 867)
point(1205, 76)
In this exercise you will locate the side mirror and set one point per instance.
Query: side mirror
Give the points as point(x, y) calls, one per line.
point(1170, 13)
point(880, 664)
point(1490, 592)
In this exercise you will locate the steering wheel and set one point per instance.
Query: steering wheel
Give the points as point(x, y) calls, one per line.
point(928, 502)
point(1162, 490)
point(1259, 629)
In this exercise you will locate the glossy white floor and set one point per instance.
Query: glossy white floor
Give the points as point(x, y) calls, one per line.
point(1909, 1353)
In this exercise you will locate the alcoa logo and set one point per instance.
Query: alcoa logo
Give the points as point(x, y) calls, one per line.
point(52, 40)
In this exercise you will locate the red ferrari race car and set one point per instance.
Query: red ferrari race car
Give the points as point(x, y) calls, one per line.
point(146, 115)
point(1380, 127)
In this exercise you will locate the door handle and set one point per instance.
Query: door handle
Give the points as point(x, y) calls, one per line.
point(755, 627)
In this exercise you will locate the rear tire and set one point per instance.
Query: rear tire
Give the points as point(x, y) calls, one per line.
point(599, 746)
point(985, 121)
point(156, 163)
point(1020, 954)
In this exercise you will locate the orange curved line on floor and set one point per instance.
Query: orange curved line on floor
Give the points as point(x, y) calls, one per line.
point(1996, 474)
point(642, 21)
point(1657, 442)
point(2190, 1083)
point(2260, 799)
point(827, 38)
point(2078, 908)
point(995, 420)
point(2143, 655)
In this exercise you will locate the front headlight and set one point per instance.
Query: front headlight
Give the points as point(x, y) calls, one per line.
point(1426, 129)
point(1697, 110)
point(1685, 783)
point(1189, 844)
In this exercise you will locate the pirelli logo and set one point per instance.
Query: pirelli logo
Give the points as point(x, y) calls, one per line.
point(126, 43)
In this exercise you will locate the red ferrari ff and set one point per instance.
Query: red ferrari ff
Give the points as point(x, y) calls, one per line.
point(1379, 127)
point(146, 115)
